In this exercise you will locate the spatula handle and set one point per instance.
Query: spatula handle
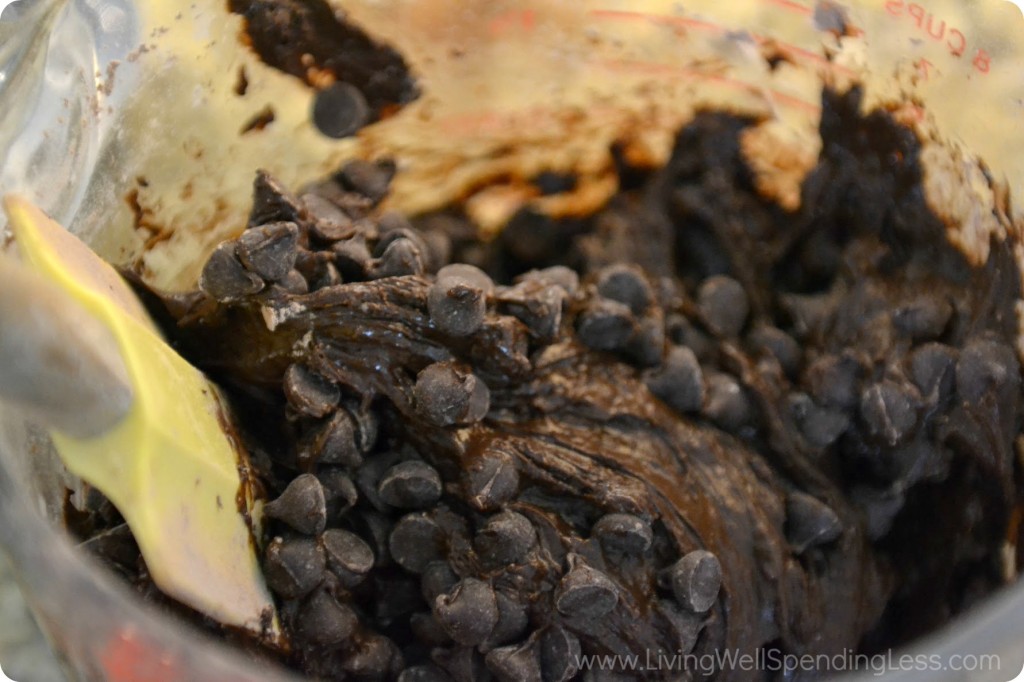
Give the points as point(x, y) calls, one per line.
point(58, 364)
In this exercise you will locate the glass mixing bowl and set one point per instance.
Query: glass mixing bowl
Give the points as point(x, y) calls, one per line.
point(102, 100)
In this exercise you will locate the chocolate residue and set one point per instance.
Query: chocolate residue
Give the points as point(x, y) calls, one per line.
point(242, 84)
point(142, 217)
point(306, 38)
point(259, 121)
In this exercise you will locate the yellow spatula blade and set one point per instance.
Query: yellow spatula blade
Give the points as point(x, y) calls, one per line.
point(168, 466)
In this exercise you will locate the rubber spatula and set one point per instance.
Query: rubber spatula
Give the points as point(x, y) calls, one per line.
point(132, 418)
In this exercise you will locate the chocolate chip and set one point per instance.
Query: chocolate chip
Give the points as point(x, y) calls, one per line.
point(683, 333)
point(416, 541)
point(225, 278)
point(339, 491)
point(348, 556)
point(821, 426)
point(924, 318)
point(352, 256)
point(880, 508)
point(334, 441)
point(647, 346)
point(605, 325)
point(326, 276)
point(863, 321)
point(584, 591)
point(932, 369)
point(506, 538)
point(316, 267)
point(424, 673)
point(446, 395)
point(427, 630)
point(516, 663)
point(469, 612)
point(376, 529)
point(369, 476)
point(832, 381)
point(535, 304)
point(810, 522)
point(512, 621)
point(302, 505)
point(679, 382)
point(491, 480)
point(340, 110)
point(369, 179)
point(696, 580)
point(626, 284)
point(374, 657)
point(410, 485)
point(269, 250)
point(556, 276)
point(623, 534)
point(723, 305)
point(354, 204)
point(294, 567)
point(439, 249)
point(501, 346)
point(397, 224)
point(726, 404)
point(323, 621)
point(470, 273)
point(393, 226)
point(889, 411)
point(310, 393)
point(457, 530)
point(920, 460)
point(984, 366)
point(686, 624)
point(810, 315)
point(294, 283)
point(401, 258)
point(463, 663)
point(271, 202)
point(776, 343)
point(327, 221)
point(457, 305)
point(559, 654)
point(328, 188)
point(437, 578)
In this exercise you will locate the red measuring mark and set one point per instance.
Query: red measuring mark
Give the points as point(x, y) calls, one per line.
point(660, 69)
point(513, 20)
point(129, 658)
point(939, 31)
point(664, 19)
point(924, 67)
point(699, 24)
point(791, 6)
point(795, 102)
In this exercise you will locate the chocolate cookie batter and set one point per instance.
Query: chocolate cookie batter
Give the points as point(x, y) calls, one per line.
point(694, 422)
